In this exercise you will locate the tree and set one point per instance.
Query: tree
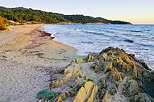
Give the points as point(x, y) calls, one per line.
point(3, 23)
point(20, 19)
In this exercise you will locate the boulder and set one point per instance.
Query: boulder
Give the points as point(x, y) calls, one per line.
point(109, 76)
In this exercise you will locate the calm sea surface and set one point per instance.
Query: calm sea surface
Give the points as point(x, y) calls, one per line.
point(135, 39)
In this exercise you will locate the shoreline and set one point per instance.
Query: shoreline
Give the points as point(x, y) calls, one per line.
point(31, 61)
point(28, 58)
point(125, 42)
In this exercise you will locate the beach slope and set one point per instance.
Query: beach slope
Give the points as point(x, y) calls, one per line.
point(28, 58)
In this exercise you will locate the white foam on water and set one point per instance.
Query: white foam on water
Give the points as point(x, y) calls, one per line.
point(135, 39)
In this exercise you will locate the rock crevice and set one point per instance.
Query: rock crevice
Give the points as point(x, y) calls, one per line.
point(109, 76)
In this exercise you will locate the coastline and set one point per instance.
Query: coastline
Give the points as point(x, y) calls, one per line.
point(31, 61)
point(27, 59)
point(124, 41)
point(110, 75)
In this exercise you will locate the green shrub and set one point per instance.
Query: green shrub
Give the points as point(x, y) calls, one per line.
point(89, 80)
point(3, 23)
point(47, 95)
point(34, 22)
point(2, 27)
point(10, 23)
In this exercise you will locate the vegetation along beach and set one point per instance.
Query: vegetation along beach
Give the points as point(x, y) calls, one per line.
point(76, 51)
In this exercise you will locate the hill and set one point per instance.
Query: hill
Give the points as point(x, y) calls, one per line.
point(84, 19)
point(23, 15)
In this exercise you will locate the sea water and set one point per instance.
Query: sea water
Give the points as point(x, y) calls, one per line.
point(87, 38)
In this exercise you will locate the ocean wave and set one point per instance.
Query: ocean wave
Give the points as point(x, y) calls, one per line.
point(93, 38)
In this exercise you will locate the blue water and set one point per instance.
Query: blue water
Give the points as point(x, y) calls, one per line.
point(135, 39)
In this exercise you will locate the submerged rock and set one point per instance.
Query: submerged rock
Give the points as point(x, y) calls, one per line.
point(109, 76)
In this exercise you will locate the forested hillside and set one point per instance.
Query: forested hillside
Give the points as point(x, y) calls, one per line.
point(88, 19)
point(82, 19)
point(23, 15)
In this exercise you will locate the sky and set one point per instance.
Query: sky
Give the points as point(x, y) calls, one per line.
point(134, 11)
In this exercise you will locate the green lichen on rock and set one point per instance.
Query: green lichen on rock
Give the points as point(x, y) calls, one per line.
point(89, 79)
point(47, 95)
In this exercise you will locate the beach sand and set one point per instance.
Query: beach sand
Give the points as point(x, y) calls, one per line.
point(28, 58)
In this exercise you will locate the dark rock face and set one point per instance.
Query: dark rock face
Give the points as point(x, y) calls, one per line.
point(115, 77)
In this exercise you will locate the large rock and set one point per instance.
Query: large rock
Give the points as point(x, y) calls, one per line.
point(109, 76)
point(87, 93)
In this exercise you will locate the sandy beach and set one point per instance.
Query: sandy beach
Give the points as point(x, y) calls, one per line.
point(28, 58)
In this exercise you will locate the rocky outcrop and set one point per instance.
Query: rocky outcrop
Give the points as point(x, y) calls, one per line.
point(86, 93)
point(109, 76)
